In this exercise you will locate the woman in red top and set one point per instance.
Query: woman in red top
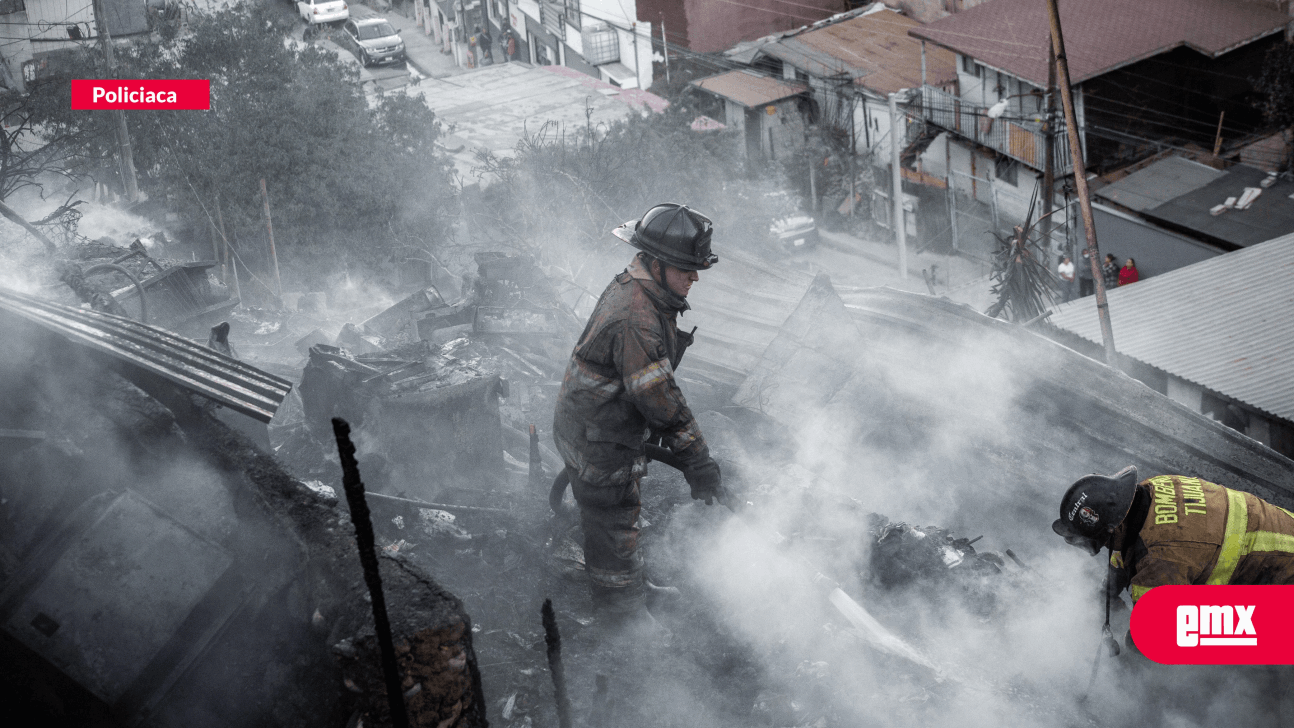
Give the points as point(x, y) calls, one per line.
point(1128, 273)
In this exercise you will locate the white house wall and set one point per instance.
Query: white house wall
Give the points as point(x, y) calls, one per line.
point(49, 19)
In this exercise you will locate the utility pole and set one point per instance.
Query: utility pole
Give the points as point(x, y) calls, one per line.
point(1080, 182)
point(128, 180)
point(1049, 137)
point(896, 177)
point(664, 46)
point(269, 226)
point(638, 76)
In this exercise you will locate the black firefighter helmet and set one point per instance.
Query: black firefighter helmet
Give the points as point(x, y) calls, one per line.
point(674, 233)
point(1094, 506)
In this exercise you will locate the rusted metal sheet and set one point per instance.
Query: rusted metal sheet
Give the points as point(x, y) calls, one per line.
point(194, 367)
point(750, 89)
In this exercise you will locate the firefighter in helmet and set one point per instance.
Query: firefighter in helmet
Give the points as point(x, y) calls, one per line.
point(619, 393)
point(1171, 529)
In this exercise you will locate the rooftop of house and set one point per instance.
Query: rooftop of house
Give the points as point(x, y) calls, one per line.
point(1269, 216)
point(1222, 323)
point(1100, 35)
point(870, 46)
point(750, 88)
point(1158, 183)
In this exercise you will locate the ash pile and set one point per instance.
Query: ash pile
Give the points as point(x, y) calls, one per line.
point(157, 568)
point(442, 396)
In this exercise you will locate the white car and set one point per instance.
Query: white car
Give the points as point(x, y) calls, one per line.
point(317, 12)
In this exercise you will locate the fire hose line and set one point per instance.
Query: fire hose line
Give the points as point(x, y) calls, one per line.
point(143, 303)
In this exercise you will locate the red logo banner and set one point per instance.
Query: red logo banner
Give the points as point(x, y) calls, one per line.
point(161, 95)
point(1216, 625)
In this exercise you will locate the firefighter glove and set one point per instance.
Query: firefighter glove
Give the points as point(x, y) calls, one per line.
point(706, 481)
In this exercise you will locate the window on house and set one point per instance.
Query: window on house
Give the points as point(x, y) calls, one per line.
point(573, 13)
point(970, 66)
point(1007, 170)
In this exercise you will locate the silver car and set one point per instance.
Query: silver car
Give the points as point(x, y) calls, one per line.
point(373, 40)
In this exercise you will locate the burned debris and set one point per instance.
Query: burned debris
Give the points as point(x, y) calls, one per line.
point(158, 565)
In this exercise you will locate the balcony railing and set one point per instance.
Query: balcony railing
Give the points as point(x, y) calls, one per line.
point(1020, 140)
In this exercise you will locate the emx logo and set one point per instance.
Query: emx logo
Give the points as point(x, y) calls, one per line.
point(1215, 625)
point(1224, 625)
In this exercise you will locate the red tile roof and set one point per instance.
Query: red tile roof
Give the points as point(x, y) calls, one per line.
point(1100, 35)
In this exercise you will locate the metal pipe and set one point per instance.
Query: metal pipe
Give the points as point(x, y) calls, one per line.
point(896, 179)
point(437, 506)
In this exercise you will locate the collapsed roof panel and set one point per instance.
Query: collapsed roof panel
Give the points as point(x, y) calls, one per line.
point(196, 368)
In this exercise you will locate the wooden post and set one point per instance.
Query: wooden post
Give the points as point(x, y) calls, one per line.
point(1080, 182)
point(1217, 138)
point(128, 180)
point(269, 226)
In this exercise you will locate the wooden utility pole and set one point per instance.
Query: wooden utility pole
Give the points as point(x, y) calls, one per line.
point(1080, 182)
point(128, 180)
point(269, 226)
point(1049, 135)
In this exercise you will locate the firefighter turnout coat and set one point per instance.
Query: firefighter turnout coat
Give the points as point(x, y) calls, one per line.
point(619, 387)
point(1198, 532)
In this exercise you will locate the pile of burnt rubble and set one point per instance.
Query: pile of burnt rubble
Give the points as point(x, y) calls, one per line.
point(157, 568)
point(442, 394)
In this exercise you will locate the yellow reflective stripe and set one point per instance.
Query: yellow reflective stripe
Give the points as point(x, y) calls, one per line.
point(1269, 541)
point(1288, 513)
point(1138, 592)
point(649, 376)
point(1233, 539)
point(590, 380)
point(1116, 559)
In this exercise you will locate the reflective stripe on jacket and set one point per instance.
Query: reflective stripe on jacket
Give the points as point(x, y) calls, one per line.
point(1199, 532)
point(619, 386)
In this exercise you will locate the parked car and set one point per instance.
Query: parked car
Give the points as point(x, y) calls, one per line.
point(794, 232)
point(318, 12)
point(372, 40)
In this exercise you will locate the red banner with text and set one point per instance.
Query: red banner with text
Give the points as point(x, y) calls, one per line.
point(1216, 625)
point(160, 95)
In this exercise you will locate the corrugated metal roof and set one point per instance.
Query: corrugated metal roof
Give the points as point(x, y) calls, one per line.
point(750, 89)
point(873, 49)
point(1226, 324)
point(1268, 217)
point(196, 368)
point(1100, 35)
point(1159, 183)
